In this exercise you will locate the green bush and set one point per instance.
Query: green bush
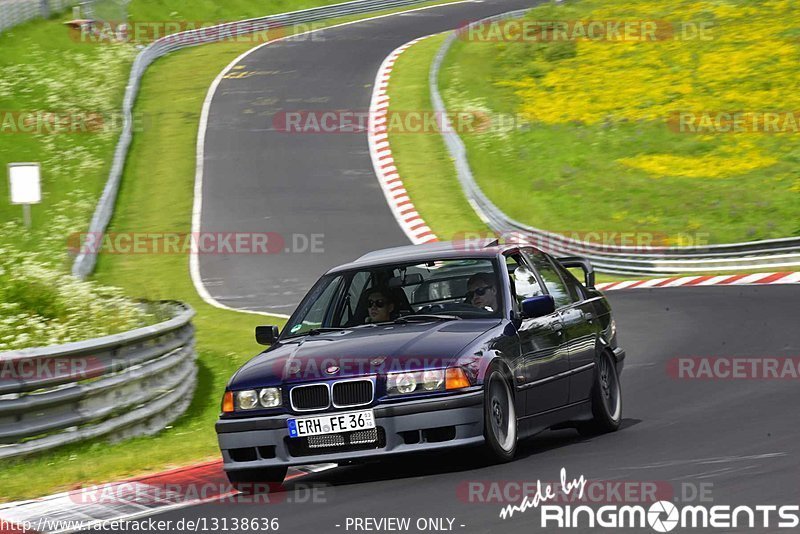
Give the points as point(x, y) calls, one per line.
point(41, 305)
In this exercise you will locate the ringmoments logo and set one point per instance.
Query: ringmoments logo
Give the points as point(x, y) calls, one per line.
point(660, 516)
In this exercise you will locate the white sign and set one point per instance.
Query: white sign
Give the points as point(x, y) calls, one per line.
point(25, 180)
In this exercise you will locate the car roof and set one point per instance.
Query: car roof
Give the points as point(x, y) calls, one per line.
point(439, 250)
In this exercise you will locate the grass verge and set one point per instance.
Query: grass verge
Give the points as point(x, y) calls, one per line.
point(591, 130)
point(597, 124)
point(423, 161)
point(422, 158)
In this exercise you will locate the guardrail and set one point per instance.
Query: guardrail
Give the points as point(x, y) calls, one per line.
point(115, 386)
point(87, 257)
point(15, 12)
point(628, 260)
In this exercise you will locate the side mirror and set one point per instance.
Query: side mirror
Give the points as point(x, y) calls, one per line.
point(538, 306)
point(267, 335)
point(583, 263)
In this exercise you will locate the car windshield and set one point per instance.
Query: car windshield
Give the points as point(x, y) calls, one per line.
point(436, 290)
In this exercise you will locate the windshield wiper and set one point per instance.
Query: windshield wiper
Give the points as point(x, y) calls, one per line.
point(426, 317)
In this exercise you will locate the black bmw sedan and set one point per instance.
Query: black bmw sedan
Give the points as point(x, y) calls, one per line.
point(425, 347)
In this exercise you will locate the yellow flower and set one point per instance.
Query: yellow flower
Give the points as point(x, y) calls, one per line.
point(745, 59)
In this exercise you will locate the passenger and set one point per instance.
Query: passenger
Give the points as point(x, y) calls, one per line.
point(481, 291)
point(379, 306)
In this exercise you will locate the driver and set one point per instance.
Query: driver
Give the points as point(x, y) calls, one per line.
point(379, 305)
point(481, 291)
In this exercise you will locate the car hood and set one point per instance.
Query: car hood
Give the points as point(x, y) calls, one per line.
point(361, 351)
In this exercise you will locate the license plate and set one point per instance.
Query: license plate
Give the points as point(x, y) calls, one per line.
point(331, 424)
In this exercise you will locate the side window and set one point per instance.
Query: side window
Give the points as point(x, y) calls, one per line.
point(574, 287)
point(523, 281)
point(552, 280)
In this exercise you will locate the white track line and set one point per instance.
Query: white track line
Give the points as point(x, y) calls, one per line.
point(122, 501)
point(194, 264)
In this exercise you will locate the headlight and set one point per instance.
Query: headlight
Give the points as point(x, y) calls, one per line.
point(270, 397)
point(247, 400)
point(406, 383)
point(432, 380)
point(250, 399)
point(416, 382)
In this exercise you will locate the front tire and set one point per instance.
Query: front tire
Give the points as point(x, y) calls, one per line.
point(250, 481)
point(606, 399)
point(500, 419)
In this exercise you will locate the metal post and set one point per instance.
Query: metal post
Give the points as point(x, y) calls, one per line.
point(26, 215)
point(44, 8)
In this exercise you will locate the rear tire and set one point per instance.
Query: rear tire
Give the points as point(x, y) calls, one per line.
point(499, 418)
point(250, 481)
point(606, 399)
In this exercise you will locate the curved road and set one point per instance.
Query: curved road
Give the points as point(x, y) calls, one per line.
point(739, 439)
point(261, 179)
point(736, 440)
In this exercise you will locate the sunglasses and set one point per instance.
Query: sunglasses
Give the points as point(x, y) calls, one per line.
point(380, 303)
point(480, 291)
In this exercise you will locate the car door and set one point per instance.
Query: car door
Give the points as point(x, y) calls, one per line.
point(582, 328)
point(545, 363)
point(580, 333)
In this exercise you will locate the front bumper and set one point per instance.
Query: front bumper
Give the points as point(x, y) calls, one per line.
point(420, 425)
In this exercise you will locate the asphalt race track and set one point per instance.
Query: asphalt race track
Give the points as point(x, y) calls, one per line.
point(738, 440)
point(258, 179)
